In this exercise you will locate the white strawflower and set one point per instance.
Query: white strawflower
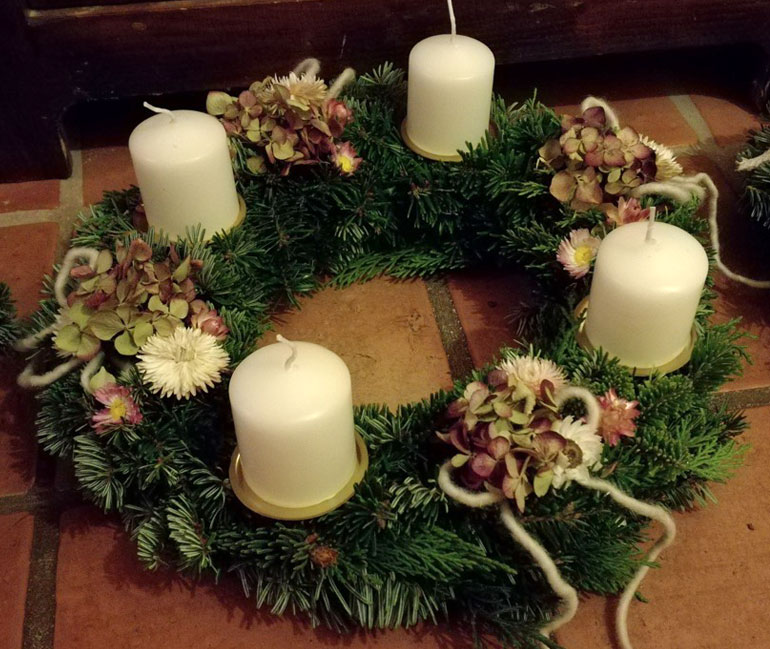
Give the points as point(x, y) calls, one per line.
point(590, 444)
point(665, 161)
point(532, 371)
point(181, 364)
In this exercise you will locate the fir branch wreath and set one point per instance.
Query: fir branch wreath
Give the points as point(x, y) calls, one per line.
point(399, 552)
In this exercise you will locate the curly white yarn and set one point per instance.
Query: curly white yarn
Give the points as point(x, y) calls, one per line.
point(567, 594)
point(28, 378)
point(702, 187)
point(593, 102)
point(310, 66)
point(669, 533)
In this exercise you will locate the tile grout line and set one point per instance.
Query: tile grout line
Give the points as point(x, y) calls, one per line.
point(453, 337)
point(43, 500)
point(40, 606)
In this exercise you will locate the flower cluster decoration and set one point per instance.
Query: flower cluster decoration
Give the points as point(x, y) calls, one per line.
point(598, 166)
point(133, 305)
point(595, 162)
point(122, 300)
point(510, 436)
point(287, 121)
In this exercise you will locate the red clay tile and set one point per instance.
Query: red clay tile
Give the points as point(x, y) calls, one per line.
point(752, 306)
point(26, 254)
point(656, 117)
point(729, 121)
point(105, 598)
point(386, 333)
point(106, 169)
point(18, 451)
point(34, 195)
point(711, 589)
point(485, 302)
point(15, 547)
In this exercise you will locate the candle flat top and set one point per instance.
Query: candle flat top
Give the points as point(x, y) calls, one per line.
point(673, 259)
point(189, 136)
point(452, 58)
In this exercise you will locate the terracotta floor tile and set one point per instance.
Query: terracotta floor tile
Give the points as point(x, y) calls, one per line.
point(485, 302)
point(711, 589)
point(728, 120)
point(15, 546)
point(33, 195)
point(18, 451)
point(753, 307)
point(106, 169)
point(386, 333)
point(656, 117)
point(105, 598)
point(27, 254)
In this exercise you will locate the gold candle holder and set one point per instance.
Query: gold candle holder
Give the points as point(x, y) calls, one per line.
point(257, 504)
point(456, 157)
point(679, 361)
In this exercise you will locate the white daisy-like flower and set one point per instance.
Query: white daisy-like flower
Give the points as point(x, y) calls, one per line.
point(577, 251)
point(183, 363)
point(590, 445)
point(665, 160)
point(532, 371)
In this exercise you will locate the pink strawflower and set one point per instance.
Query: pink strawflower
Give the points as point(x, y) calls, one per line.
point(120, 408)
point(207, 320)
point(617, 417)
point(626, 211)
point(345, 157)
point(577, 251)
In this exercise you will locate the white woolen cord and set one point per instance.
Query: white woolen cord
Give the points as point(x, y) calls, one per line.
point(566, 593)
point(28, 378)
point(700, 185)
point(593, 411)
point(749, 164)
point(91, 368)
point(311, 67)
point(73, 255)
point(347, 76)
point(538, 553)
point(463, 496)
point(643, 509)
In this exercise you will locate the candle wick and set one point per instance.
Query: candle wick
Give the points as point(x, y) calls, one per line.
point(650, 222)
point(155, 109)
point(452, 20)
point(293, 346)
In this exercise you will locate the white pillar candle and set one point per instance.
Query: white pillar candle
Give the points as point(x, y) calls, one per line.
point(449, 94)
point(182, 164)
point(292, 407)
point(645, 293)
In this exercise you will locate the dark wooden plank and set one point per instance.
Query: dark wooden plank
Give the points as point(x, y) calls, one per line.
point(33, 97)
point(189, 44)
point(63, 4)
